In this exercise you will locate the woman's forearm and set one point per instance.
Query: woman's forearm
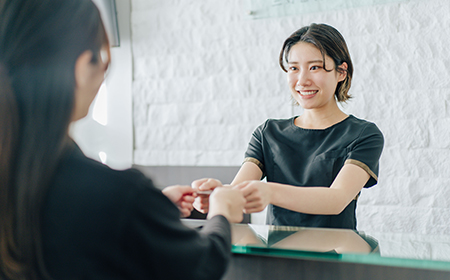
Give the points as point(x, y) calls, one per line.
point(321, 200)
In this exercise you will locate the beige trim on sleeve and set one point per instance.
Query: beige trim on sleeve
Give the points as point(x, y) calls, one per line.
point(363, 166)
point(255, 161)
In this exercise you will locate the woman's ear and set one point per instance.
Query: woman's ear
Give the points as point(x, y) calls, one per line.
point(83, 69)
point(83, 85)
point(342, 71)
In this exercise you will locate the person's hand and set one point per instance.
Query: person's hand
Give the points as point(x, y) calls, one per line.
point(202, 201)
point(182, 196)
point(227, 202)
point(257, 195)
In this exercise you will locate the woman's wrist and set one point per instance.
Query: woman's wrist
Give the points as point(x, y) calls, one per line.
point(272, 192)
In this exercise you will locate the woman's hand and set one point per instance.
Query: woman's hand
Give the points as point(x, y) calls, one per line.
point(257, 194)
point(227, 202)
point(183, 197)
point(202, 201)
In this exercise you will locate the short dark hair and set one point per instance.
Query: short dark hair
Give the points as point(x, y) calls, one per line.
point(329, 42)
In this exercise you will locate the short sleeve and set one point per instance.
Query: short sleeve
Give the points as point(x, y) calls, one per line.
point(366, 152)
point(254, 151)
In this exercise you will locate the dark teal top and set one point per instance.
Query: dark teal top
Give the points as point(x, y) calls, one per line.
point(288, 154)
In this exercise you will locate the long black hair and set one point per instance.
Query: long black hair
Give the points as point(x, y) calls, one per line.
point(40, 41)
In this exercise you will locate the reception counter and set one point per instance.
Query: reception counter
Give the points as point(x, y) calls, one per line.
point(276, 252)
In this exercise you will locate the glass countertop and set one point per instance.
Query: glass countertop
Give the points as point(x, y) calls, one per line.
point(342, 245)
point(334, 241)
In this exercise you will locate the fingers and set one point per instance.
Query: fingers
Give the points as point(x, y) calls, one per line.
point(175, 193)
point(255, 194)
point(186, 205)
point(247, 188)
point(201, 203)
point(186, 190)
point(253, 207)
point(206, 184)
point(185, 209)
point(195, 184)
point(227, 202)
point(189, 198)
point(185, 212)
point(183, 197)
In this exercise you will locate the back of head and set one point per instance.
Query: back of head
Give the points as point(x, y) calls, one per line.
point(40, 41)
point(330, 42)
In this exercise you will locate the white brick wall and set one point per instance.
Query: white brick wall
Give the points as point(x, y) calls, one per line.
point(205, 77)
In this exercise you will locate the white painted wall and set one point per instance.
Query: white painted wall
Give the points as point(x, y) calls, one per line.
point(205, 77)
point(115, 139)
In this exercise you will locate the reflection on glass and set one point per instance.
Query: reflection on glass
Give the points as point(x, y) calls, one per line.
point(343, 245)
point(304, 239)
point(413, 246)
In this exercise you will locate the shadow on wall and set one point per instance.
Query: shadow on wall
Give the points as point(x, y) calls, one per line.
point(164, 176)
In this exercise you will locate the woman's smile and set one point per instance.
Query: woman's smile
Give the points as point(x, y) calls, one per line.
point(307, 93)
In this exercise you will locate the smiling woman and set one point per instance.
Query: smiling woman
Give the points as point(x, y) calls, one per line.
point(331, 45)
point(312, 84)
point(317, 163)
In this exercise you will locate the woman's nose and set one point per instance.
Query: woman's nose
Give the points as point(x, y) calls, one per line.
point(303, 79)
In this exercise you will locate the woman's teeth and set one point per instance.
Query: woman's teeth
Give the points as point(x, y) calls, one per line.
point(308, 92)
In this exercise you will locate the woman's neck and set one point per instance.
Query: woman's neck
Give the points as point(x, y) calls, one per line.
point(317, 119)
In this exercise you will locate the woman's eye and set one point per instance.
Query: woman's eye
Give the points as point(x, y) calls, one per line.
point(292, 68)
point(315, 67)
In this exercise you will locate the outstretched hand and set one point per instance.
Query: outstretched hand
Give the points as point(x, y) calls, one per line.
point(257, 195)
point(202, 201)
point(183, 197)
point(227, 202)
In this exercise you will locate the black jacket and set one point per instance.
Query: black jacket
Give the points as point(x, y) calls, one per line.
point(100, 223)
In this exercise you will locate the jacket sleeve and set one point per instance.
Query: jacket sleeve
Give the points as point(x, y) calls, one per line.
point(160, 246)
